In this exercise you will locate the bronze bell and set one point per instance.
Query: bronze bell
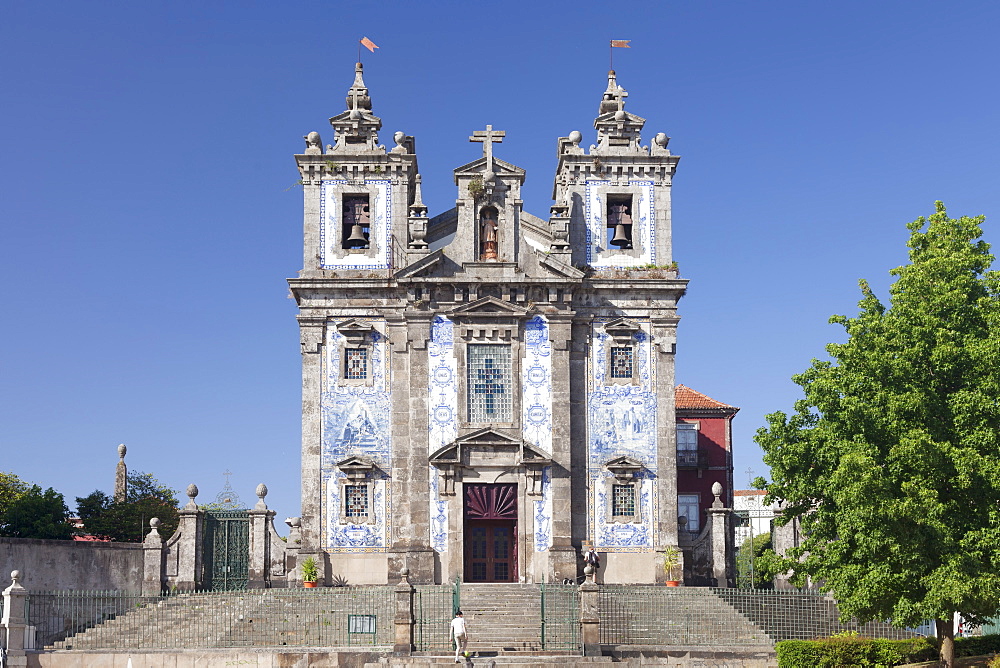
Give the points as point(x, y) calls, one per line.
point(621, 239)
point(357, 237)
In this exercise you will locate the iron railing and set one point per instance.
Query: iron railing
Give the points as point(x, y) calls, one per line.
point(433, 608)
point(651, 615)
point(321, 617)
point(560, 617)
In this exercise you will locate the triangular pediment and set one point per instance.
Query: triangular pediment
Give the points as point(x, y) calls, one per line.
point(488, 435)
point(354, 330)
point(500, 167)
point(488, 447)
point(622, 328)
point(610, 118)
point(624, 461)
point(356, 462)
point(488, 306)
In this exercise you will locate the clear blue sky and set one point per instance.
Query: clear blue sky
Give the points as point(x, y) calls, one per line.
point(149, 219)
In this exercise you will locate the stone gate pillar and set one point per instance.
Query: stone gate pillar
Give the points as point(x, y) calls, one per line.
point(723, 561)
point(152, 560)
point(14, 622)
point(259, 557)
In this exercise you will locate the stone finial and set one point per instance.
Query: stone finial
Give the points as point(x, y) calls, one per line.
point(15, 584)
point(261, 493)
point(575, 137)
point(400, 139)
point(404, 575)
point(717, 491)
point(122, 450)
point(682, 522)
point(192, 492)
point(15, 576)
point(154, 523)
point(314, 145)
point(357, 94)
point(293, 522)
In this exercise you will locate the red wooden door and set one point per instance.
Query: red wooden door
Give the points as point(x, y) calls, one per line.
point(490, 533)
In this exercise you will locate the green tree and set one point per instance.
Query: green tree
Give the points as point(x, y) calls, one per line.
point(37, 514)
point(892, 459)
point(752, 571)
point(128, 521)
point(11, 488)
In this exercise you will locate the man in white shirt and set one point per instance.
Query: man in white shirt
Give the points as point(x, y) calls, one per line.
point(458, 633)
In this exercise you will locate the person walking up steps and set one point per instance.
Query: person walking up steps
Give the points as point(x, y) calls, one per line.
point(459, 634)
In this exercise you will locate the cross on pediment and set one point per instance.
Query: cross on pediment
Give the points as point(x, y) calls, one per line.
point(488, 137)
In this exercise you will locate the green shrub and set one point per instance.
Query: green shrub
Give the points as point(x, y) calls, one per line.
point(850, 651)
point(977, 645)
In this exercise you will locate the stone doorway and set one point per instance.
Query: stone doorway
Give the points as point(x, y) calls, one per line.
point(490, 533)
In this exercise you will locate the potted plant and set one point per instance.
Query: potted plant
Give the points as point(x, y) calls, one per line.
point(309, 572)
point(671, 561)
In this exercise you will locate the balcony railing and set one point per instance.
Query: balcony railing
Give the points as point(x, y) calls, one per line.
point(692, 459)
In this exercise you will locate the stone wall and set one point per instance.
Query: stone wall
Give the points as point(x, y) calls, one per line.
point(68, 564)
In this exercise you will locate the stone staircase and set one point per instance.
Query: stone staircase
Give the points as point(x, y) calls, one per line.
point(507, 618)
point(259, 618)
point(685, 616)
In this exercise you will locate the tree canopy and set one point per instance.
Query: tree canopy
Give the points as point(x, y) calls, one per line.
point(36, 514)
point(892, 459)
point(11, 488)
point(128, 521)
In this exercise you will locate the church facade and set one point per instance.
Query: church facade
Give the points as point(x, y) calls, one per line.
point(487, 392)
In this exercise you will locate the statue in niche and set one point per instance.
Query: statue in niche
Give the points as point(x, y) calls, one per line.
point(488, 233)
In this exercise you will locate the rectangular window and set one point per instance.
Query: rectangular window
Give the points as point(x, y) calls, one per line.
point(688, 506)
point(687, 444)
point(356, 363)
point(623, 500)
point(356, 501)
point(489, 394)
point(621, 361)
point(619, 222)
point(356, 229)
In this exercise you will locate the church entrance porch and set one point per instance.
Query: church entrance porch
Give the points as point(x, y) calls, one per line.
point(490, 532)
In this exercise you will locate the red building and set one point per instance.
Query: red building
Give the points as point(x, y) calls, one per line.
point(704, 454)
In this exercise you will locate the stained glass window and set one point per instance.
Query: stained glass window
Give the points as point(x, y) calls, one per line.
point(621, 361)
point(355, 500)
point(623, 500)
point(489, 385)
point(356, 363)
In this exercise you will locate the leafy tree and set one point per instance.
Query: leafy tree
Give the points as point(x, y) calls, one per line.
point(36, 514)
point(128, 521)
point(750, 568)
point(892, 459)
point(11, 488)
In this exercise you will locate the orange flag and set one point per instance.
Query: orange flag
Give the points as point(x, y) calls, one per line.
point(368, 44)
point(621, 43)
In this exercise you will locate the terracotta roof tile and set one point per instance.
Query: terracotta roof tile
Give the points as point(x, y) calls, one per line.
point(685, 397)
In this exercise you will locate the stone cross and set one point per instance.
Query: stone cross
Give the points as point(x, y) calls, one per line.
point(488, 137)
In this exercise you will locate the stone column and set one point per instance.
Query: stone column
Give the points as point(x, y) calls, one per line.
point(257, 576)
point(404, 615)
point(590, 617)
point(722, 543)
point(152, 560)
point(14, 622)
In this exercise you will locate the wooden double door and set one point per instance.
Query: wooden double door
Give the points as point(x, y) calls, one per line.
point(490, 534)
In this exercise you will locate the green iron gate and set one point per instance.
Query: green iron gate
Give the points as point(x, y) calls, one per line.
point(560, 606)
point(227, 549)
